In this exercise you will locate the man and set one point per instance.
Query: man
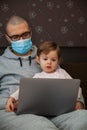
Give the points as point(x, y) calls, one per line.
point(18, 61)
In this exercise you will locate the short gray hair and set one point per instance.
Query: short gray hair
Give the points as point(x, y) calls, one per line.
point(14, 20)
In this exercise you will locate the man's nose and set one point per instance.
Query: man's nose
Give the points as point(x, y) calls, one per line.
point(21, 38)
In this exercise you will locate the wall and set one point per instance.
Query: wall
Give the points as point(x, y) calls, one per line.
point(63, 21)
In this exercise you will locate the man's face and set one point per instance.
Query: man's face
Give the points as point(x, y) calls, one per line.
point(18, 32)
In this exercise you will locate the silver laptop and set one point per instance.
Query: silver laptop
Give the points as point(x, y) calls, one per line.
point(47, 97)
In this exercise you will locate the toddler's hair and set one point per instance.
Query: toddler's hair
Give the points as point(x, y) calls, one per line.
point(48, 46)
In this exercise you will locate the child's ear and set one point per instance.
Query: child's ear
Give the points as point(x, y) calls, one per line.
point(37, 59)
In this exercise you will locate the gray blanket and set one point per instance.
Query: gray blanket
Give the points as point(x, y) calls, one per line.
point(11, 121)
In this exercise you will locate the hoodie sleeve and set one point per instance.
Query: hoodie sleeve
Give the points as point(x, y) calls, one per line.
point(2, 102)
point(5, 92)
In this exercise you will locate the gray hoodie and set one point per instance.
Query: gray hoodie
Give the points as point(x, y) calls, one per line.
point(12, 68)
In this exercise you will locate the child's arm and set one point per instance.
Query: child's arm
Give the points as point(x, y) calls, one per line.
point(79, 105)
point(80, 100)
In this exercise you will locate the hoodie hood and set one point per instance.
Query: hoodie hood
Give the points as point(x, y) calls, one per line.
point(10, 55)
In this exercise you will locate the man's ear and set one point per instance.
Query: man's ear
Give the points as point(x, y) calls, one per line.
point(31, 32)
point(7, 38)
point(37, 59)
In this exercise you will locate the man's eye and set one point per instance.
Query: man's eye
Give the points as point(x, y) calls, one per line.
point(15, 37)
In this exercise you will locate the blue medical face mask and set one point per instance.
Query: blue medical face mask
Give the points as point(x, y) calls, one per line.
point(22, 46)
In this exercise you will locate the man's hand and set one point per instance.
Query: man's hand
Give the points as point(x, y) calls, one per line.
point(11, 104)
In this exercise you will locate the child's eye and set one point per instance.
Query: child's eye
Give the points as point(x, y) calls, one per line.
point(44, 58)
point(53, 59)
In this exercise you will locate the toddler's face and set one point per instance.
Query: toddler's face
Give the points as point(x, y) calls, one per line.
point(49, 62)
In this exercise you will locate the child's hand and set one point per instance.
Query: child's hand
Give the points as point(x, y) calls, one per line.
point(79, 105)
point(10, 105)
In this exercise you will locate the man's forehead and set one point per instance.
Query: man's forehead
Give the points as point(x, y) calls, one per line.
point(17, 29)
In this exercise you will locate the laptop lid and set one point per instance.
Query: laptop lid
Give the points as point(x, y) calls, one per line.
point(47, 97)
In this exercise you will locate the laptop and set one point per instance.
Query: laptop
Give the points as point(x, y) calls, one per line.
point(47, 97)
